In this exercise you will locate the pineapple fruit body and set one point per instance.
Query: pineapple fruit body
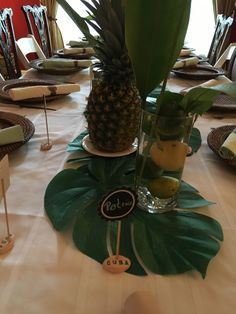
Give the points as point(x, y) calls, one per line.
point(114, 104)
point(113, 115)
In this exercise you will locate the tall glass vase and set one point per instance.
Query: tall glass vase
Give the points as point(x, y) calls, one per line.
point(163, 145)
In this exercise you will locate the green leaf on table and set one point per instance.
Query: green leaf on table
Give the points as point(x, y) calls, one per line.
point(79, 159)
point(195, 140)
point(126, 244)
point(89, 233)
point(112, 172)
point(76, 144)
point(176, 241)
point(185, 187)
point(191, 200)
point(65, 193)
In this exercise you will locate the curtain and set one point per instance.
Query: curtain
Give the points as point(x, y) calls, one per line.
point(225, 7)
point(56, 36)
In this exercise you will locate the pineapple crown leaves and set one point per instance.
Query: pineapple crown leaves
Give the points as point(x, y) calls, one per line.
point(106, 18)
point(110, 48)
point(113, 42)
point(78, 20)
point(119, 9)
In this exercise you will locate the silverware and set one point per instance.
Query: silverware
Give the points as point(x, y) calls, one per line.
point(37, 107)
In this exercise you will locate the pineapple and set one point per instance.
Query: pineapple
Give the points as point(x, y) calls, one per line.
point(114, 104)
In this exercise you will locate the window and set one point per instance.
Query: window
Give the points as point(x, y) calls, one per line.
point(68, 28)
point(201, 26)
point(199, 34)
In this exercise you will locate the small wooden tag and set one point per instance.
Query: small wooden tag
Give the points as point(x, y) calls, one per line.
point(116, 264)
point(4, 174)
point(6, 244)
point(46, 146)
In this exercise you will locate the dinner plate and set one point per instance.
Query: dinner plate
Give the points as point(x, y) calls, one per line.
point(217, 137)
point(5, 86)
point(77, 56)
point(198, 72)
point(200, 58)
point(89, 147)
point(8, 119)
point(38, 65)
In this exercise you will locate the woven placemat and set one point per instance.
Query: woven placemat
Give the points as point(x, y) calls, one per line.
point(5, 86)
point(223, 103)
point(198, 72)
point(217, 137)
point(8, 119)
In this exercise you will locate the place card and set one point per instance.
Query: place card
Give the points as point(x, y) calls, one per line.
point(48, 144)
point(117, 205)
point(4, 175)
point(7, 243)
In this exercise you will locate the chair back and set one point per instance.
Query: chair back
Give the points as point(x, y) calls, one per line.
point(27, 46)
point(232, 67)
point(224, 59)
point(37, 22)
point(217, 45)
point(7, 44)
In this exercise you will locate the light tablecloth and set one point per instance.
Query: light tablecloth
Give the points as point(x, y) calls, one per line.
point(45, 273)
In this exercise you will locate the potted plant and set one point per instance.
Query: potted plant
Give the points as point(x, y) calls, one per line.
point(153, 33)
point(164, 133)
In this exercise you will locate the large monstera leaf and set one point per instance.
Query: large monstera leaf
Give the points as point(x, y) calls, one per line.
point(155, 32)
point(168, 243)
point(177, 241)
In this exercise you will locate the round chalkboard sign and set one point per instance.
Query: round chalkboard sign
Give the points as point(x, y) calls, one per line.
point(118, 204)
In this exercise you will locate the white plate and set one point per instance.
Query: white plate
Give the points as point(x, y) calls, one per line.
point(88, 146)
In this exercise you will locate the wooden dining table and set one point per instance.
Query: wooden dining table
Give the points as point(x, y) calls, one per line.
point(46, 273)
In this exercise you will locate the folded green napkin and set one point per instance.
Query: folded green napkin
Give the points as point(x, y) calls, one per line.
point(38, 91)
point(65, 63)
point(78, 43)
point(187, 62)
point(73, 51)
point(12, 134)
point(228, 148)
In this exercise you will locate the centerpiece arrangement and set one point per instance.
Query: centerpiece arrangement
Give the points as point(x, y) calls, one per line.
point(138, 48)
